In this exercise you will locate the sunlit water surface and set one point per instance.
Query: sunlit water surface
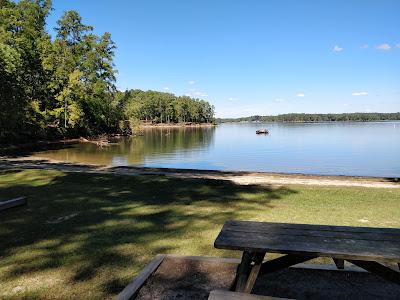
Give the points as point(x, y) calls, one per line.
point(365, 149)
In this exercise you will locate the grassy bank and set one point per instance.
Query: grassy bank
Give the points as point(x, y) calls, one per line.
point(87, 235)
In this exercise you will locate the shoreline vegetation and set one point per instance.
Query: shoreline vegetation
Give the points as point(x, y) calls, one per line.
point(136, 130)
point(316, 118)
point(62, 85)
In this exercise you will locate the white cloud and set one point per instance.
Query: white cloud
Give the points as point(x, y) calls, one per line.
point(191, 82)
point(166, 88)
point(196, 93)
point(337, 49)
point(365, 46)
point(200, 94)
point(232, 99)
point(300, 95)
point(398, 45)
point(384, 47)
point(359, 94)
point(279, 100)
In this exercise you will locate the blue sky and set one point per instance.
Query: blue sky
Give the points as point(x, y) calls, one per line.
point(256, 57)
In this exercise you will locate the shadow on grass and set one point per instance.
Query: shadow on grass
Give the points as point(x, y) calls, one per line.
point(101, 227)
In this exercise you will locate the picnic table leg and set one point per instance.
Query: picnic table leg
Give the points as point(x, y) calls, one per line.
point(243, 271)
point(248, 271)
point(257, 260)
point(339, 263)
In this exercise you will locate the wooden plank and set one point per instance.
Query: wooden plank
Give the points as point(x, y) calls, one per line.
point(243, 272)
point(282, 262)
point(257, 260)
point(131, 290)
point(269, 236)
point(314, 231)
point(12, 203)
point(378, 269)
point(281, 230)
point(394, 239)
point(269, 225)
point(339, 263)
point(384, 251)
point(330, 247)
point(227, 295)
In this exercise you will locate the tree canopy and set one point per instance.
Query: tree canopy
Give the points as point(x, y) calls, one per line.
point(161, 107)
point(65, 85)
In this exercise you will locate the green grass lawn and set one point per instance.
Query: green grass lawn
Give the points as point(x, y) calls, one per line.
point(87, 235)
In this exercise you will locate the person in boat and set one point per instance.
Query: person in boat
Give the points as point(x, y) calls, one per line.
point(262, 131)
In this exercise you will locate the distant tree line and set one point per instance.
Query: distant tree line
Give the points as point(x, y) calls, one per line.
point(359, 117)
point(158, 107)
point(65, 85)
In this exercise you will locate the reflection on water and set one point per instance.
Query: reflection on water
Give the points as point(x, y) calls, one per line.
point(155, 143)
point(365, 149)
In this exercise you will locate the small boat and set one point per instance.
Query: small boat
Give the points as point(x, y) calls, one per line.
point(262, 131)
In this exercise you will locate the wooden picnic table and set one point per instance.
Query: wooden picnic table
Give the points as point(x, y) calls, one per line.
point(364, 247)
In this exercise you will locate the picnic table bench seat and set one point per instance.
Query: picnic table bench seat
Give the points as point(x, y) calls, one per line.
point(365, 247)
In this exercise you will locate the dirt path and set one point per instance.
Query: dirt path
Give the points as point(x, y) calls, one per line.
point(243, 178)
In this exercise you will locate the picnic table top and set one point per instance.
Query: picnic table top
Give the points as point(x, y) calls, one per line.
point(343, 242)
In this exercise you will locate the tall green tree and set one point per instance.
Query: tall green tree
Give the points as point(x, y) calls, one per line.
point(23, 88)
point(65, 85)
point(158, 107)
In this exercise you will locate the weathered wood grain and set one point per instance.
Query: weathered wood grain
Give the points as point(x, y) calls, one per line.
point(357, 233)
point(340, 242)
point(243, 271)
point(282, 262)
point(269, 225)
point(131, 290)
point(257, 261)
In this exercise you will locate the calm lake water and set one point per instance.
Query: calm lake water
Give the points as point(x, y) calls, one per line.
point(365, 149)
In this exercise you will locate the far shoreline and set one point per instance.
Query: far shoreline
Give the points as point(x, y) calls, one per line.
point(177, 125)
point(307, 122)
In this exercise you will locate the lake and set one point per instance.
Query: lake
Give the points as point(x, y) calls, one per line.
point(363, 149)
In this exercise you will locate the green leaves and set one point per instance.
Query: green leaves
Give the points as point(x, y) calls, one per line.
point(165, 107)
point(66, 86)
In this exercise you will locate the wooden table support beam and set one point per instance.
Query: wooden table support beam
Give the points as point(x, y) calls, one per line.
point(378, 269)
point(283, 262)
point(339, 263)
